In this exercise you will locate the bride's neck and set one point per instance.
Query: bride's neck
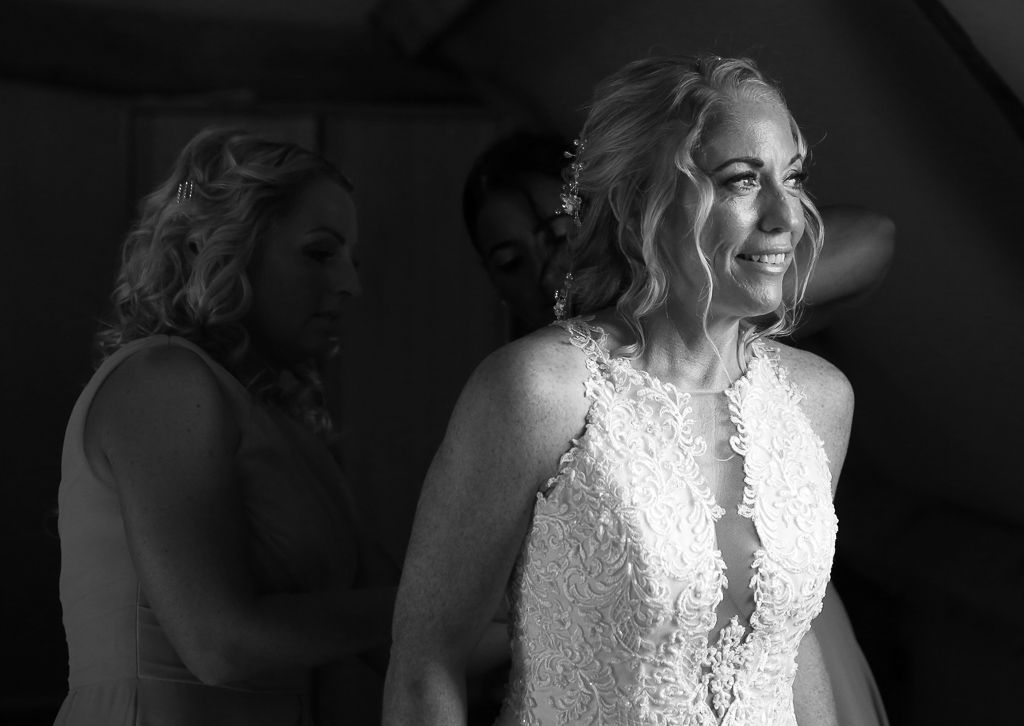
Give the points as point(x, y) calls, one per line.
point(679, 349)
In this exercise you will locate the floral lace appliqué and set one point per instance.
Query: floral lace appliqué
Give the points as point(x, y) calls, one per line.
point(617, 587)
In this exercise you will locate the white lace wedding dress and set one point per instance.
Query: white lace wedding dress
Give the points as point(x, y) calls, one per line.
point(617, 594)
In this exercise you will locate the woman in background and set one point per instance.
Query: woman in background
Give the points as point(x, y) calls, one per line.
point(211, 564)
point(511, 207)
point(512, 210)
point(622, 476)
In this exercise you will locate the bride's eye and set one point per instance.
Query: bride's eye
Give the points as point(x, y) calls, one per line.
point(747, 181)
point(797, 180)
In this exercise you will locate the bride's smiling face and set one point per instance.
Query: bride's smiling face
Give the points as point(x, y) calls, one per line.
point(755, 220)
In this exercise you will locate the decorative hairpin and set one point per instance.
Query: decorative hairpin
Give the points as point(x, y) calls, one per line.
point(571, 200)
point(184, 191)
point(561, 306)
point(572, 204)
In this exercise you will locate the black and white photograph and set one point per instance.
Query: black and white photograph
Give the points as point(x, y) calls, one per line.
point(512, 362)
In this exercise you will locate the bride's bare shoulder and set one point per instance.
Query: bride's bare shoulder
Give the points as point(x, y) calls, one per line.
point(817, 377)
point(544, 365)
point(523, 405)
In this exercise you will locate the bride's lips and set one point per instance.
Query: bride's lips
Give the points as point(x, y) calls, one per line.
point(766, 261)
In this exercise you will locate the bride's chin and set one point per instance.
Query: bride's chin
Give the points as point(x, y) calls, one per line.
point(763, 302)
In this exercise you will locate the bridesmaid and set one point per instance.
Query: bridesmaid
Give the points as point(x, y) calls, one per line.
point(212, 570)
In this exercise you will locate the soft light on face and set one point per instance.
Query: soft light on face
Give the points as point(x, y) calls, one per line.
point(302, 271)
point(522, 240)
point(755, 220)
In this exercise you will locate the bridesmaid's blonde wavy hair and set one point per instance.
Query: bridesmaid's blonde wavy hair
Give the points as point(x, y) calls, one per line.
point(644, 125)
point(183, 264)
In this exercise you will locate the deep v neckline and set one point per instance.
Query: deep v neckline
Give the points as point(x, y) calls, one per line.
point(617, 595)
point(679, 400)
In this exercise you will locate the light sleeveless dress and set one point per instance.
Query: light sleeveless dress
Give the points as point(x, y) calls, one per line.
point(616, 591)
point(123, 670)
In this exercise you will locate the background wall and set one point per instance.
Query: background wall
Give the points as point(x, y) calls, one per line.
point(931, 555)
point(62, 200)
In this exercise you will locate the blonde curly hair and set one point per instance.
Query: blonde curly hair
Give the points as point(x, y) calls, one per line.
point(644, 125)
point(183, 264)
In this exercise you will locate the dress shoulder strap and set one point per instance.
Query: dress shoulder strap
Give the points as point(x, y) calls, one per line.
point(590, 339)
point(769, 370)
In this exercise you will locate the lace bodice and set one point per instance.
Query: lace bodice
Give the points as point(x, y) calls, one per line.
point(618, 587)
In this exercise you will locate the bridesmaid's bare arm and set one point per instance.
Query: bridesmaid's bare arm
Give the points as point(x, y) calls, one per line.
point(167, 434)
point(858, 250)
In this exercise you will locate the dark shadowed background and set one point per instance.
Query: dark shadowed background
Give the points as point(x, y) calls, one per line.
point(913, 108)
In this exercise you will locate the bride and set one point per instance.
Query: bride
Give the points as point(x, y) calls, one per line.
point(649, 483)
